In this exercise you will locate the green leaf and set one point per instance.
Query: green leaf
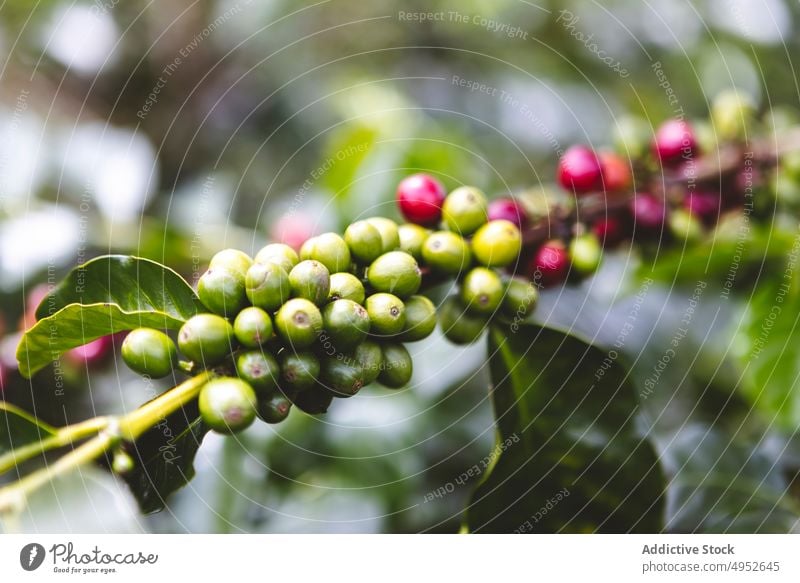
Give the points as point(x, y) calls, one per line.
point(164, 458)
point(578, 464)
point(76, 325)
point(18, 428)
point(132, 283)
point(720, 483)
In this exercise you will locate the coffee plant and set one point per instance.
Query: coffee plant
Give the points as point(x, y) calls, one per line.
point(288, 333)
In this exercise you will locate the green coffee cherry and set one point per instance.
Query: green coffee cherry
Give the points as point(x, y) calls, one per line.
point(267, 286)
point(395, 272)
point(420, 319)
point(346, 286)
point(364, 240)
point(232, 260)
point(315, 401)
point(298, 322)
point(520, 298)
point(446, 252)
point(685, 226)
point(206, 339)
point(482, 290)
point(310, 280)
point(346, 324)
point(369, 356)
point(458, 325)
point(412, 238)
point(222, 291)
point(397, 366)
point(258, 369)
point(252, 327)
point(389, 233)
point(497, 243)
point(585, 253)
point(227, 405)
point(343, 377)
point(279, 254)
point(299, 370)
point(329, 249)
point(273, 408)
point(149, 352)
point(733, 113)
point(632, 137)
point(387, 314)
point(464, 210)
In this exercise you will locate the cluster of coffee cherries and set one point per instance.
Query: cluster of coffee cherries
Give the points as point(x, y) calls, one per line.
point(290, 329)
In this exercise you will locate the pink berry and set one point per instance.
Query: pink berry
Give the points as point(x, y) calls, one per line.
point(579, 170)
point(611, 230)
point(91, 353)
point(703, 204)
point(674, 142)
point(649, 213)
point(292, 230)
point(508, 209)
point(420, 198)
point(550, 264)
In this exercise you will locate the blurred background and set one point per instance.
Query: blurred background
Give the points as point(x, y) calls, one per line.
point(171, 130)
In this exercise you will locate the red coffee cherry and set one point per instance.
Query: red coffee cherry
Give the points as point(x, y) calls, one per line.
point(508, 209)
point(703, 204)
point(420, 198)
point(616, 172)
point(611, 230)
point(674, 142)
point(579, 170)
point(649, 214)
point(550, 264)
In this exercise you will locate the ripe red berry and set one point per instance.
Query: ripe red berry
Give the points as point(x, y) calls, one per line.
point(703, 204)
point(674, 142)
point(610, 230)
point(616, 172)
point(508, 209)
point(420, 198)
point(550, 264)
point(579, 170)
point(649, 213)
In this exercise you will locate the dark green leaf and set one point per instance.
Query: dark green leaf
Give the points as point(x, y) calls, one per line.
point(78, 324)
point(721, 483)
point(579, 464)
point(18, 428)
point(132, 283)
point(164, 458)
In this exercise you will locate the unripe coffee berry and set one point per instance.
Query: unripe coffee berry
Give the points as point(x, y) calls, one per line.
point(482, 290)
point(395, 272)
point(649, 214)
point(674, 142)
point(585, 253)
point(299, 370)
point(346, 286)
point(258, 369)
point(457, 324)
point(550, 264)
point(497, 244)
point(329, 249)
point(446, 252)
point(346, 323)
point(206, 339)
point(222, 291)
point(342, 377)
point(252, 327)
point(579, 170)
point(232, 260)
point(412, 238)
point(520, 298)
point(364, 240)
point(632, 137)
point(310, 280)
point(227, 405)
point(279, 254)
point(508, 209)
point(315, 401)
point(390, 235)
point(420, 319)
point(397, 366)
point(273, 408)
point(732, 113)
point(684, 226)
point(464, 210)
point(149, 352)
point(369, 356)
point(267, 286)
point(616, 172)
point(298, 323)
point(420, 198)
point(387, 314)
